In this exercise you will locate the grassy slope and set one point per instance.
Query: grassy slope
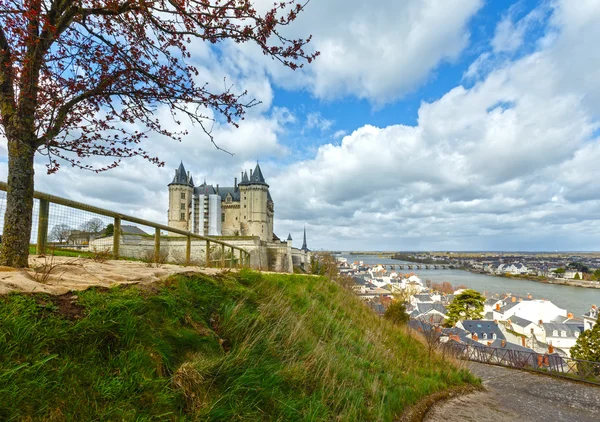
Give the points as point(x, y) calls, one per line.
point(249, 346)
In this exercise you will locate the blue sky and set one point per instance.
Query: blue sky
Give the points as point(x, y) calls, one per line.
point(455, 125)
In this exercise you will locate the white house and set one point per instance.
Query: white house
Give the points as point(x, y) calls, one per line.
point(590, 318)
point(524, 326)
point(570, 274)
point(563, 336)
point(514, 269)
point(534, 310)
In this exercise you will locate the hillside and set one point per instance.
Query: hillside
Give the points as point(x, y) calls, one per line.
point(198, 347)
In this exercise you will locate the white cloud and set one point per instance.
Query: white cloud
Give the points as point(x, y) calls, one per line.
point(316, 121)
point(376, 51)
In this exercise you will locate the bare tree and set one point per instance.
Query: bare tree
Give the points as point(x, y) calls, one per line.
point(60, 233)
point(92, 227)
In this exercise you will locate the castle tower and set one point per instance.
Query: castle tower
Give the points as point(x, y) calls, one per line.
point(256, 206)
point(304, 247)
point(180, 199)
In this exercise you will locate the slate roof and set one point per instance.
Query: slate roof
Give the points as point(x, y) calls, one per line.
point(549, 328)
point(521, 322)
point(256, 177)
point(423, 298)
point(125, 229)
point(181, 177)
point(480, 327)
point(427, 307)
point(510, 346)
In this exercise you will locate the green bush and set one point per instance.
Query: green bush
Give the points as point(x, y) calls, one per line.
point(396, 313)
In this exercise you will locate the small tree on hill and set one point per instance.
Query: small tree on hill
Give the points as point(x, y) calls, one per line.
point(576, 277)
point(466, 305)
point(396, 313)
point(87, 78)
point(587, 346)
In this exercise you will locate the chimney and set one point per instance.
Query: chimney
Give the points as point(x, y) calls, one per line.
point(523, 340)
point(540, 322)
point(503, 343)
point(498, 307)
point(235, 182)
point(250, 173)
point(474, 337)
point(496, 321)
point(570, 315)
point(529, 297)
point(489, 343)
point(217, 188)
point(513, 299)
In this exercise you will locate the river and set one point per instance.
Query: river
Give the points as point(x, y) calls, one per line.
point(577, 300)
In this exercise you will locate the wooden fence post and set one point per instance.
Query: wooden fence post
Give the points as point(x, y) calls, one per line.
point(188, 250)
point(157, 245)
point(42, 235)
point(116, 237)
point(207, 263)
point(222, 255)
point(241, 262)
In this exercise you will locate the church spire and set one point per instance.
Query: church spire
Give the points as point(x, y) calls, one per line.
point(304, 247)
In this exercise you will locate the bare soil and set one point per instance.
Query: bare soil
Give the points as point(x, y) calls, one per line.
point(60, 275)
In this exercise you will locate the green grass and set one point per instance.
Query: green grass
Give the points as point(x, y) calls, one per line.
point(238, 346)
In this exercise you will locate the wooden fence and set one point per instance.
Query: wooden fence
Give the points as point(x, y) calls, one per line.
point(230, 255)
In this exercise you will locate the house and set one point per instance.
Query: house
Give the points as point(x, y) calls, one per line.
point(434, 313)
point(524, 326)
point(562, 336)
point(572, 274)
point(482, 331)
point(513, 269)
point(530, 309)
point(590, 318)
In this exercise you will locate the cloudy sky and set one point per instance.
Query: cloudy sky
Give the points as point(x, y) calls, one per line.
point(423, 125)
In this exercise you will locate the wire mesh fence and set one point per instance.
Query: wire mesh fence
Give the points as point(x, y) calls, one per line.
point(63, 226)
point(548, 363)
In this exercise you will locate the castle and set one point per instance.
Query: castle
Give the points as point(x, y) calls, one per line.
point(245, 209)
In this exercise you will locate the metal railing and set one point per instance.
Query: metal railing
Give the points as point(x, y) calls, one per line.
point(227, 254)
point(550, 364)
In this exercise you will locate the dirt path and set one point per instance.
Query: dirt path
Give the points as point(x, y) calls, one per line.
point(521, 396)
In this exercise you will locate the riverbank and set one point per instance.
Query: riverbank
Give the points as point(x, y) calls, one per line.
point(555, 281)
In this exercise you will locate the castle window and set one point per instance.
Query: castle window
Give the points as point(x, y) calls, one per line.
point(563, 333)
point(244, 206)
point(182, 216)
point(554, 333)
point(182, 195)
point(222, 217)
point(182, 206)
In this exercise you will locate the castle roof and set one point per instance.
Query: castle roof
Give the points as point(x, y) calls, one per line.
point(181, 177)
point(256, 177)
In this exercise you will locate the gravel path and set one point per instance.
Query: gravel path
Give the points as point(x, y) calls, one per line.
point(514, 395)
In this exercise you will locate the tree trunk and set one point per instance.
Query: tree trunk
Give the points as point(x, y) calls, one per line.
point(19, 205)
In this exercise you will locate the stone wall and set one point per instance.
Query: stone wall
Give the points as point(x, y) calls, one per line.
point(272, 256)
